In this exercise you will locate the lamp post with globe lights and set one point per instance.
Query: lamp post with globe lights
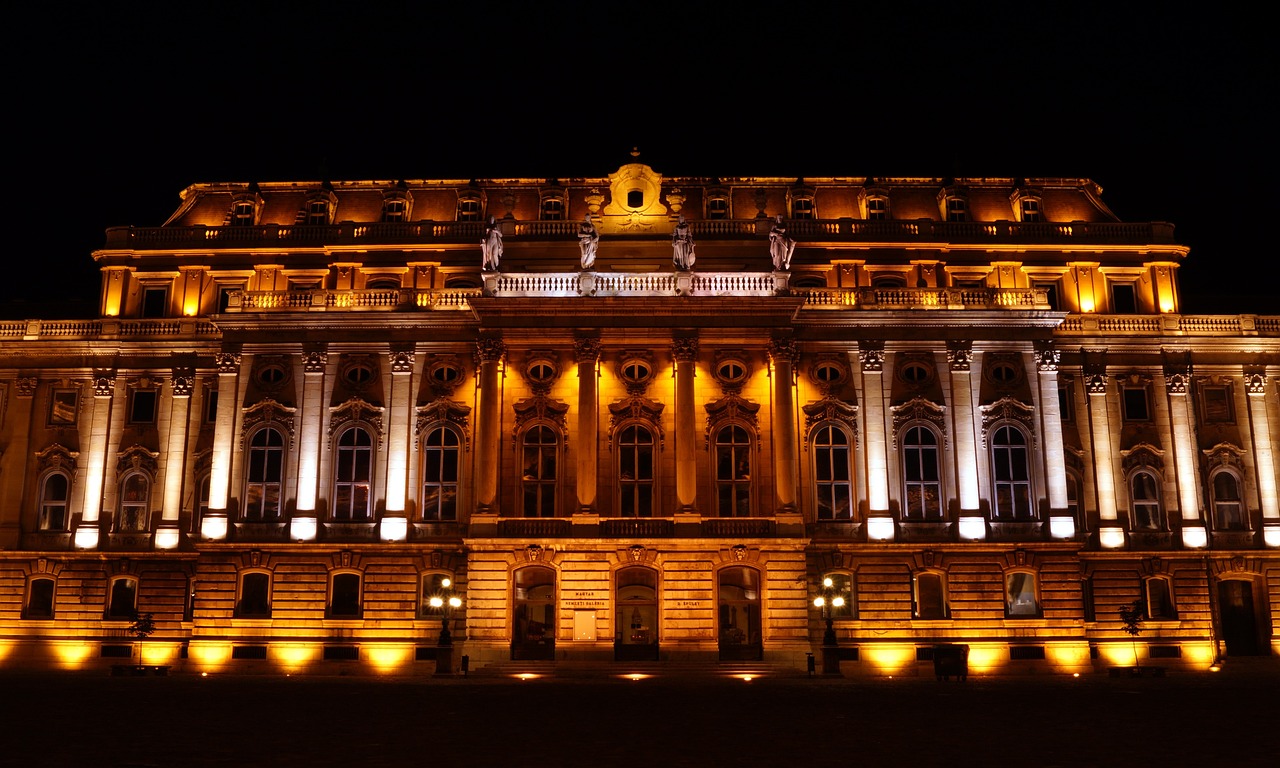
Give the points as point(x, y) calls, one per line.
point(445, 602)
point(828, 600)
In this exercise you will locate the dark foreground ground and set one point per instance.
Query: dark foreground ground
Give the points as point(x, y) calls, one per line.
point(101, 721)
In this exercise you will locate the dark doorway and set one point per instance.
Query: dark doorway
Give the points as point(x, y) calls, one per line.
point(534, 633)
point(739, 614)
point(636, 611)
point(1240, 626)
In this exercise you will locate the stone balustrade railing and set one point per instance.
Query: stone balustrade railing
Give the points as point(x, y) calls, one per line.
point(107, 328)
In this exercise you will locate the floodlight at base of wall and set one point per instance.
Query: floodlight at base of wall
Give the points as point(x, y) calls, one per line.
point(1111, 538)
point(1194, 537)
point(302, 529)
point(973, 528)
point(1062, 527)
point(393, 529)
point(880, 528)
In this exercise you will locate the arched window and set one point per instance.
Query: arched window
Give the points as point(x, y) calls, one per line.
point(540, 447)
point(733, 471)
point(352, 475)
point(1011, 474)
point(264, 475)
point(1020, 598)
point(39, 603)
point(135, 496)
point(635, 471)
point(636, 608)
point(930, 596)
point(831, 474)
point(1159, 595)
point(1144, 496)
point(1228, 511)
point(122, 598)
point(441, 462)
point(344, 596)
point(55, 490)
point(255, 595)
point(921, 474)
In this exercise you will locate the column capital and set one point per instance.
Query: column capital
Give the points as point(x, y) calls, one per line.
point(490, 349)
point(960, 356)
point(684, 348)
point(871, 352)
point(401, 361)
point(314, 361)
point(183, 382)
point(783, 349)
point(227, 362)
point(586, 349)
point(1047, 356)
point(1255, 384)
point(104, 383)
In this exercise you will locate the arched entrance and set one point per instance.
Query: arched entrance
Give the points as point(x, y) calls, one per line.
point(533, 635)
point(635, 614)
point(1242, 629)
point(739, 614)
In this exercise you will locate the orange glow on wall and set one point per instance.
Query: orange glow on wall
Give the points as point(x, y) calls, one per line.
point(387, 659)
point(72, 655)
point(890, 659)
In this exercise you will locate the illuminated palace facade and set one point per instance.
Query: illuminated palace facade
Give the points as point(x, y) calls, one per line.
point(305, 410)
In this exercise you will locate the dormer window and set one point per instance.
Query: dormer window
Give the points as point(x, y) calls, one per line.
point(553, 209)
point(395, 209)
point(956, 208)
point(470, 208)
point(717, 205)
point(317, 212)
point(1029, 209)
point(802, 207)
point(877, 208)
point(243, 214)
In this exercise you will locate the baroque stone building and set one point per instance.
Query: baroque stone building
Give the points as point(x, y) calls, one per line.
point(959, 411)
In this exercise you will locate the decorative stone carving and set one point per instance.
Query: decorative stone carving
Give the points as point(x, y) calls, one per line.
point(730, 408)
point(267, 411)
point(56, 456)
point(830, 372)
point(314, 361)
point(1224, 455)
point(490, 350)
point(586, 349)
point(533, 553)
point(538, 408)
point(1176, 383)
point(784, 349)
point(446, 411)
point(104, 383)
point(401, 361)
point(444, 374)
point(637, 409)
point(959, 355)
point(1255, 383)
point(635, 370)
point(137, 457)
point(183, 382)
point(1142, 455)
point(1008, 409)
point(227, 362)
point(1047, 356)
point(541, 370)
point(872, 355)
point(635, 553)
point(684, 348)
point(26, 386)
point(919, 409)
point(830, 409)
point(1096, 384)
point(356, 409)
point(738, 552)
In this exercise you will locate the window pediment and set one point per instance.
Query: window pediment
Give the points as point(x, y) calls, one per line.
point(640, 409)
point(1008, 409)
point(356, 409)
point(442, 411)
point(57, 456)
point(1142, 455)
point(919, 409)
point(267, 411)
point(830, 409)
point(137, 457)
point(731, 408)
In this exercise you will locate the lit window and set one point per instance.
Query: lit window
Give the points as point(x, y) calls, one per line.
point(135, 497)
point(353, 475)
point(1160, 605)
point(344, 596)
point(930, 596)
point(552, 209)
point(122, 598)
point(957, 209)
point(1134, 404)
point(635, 471)
point(636, 598)
point(1228, 512)
point(1144, 492)
point(540, 446)
point(920, 468)
point(1020, 601)
point(733, 472)
point(264, 475)
point(1010, 469)
point(831, 475)
point(54, 493)
point(840, 592)
point(877, 208)
point(255, 596)
point(440, 464)
point(39, 603)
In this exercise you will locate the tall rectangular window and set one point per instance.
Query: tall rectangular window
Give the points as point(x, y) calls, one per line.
point(440, 464)
point(831, 476)
point(1124, 299)
point(540, 449)
point(733, 472)
point(635, 471)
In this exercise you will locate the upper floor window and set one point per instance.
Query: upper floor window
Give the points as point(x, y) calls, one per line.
point(888, 281)
point(318, 211)
point(957, 209)
point(142, 406)
point(135, 497)
point(1144, 496)
point(264, 475)
point(921, 474)
point(344, 596)
point(1066, 399)
point(877, 208)
point(353, 475)
point(1228, 510)
point(1124, 298)
point(1134, 404)
point(243, 213)
point(733, 471)
point(155, 301)
point(930, 593)
point(55, 491)
point(1011, 473)
point(441, 461)
point(1215, 404)
point(540, 448)
point(1050, 288)
point(1160, 604)
point(470, 209)
point(122, 598)
point(1020, 599)
point(1073, 495)
point(831, 473)
point(1029, 209)
point(553, 209)
point(803, 208)
point(717, 207)
point(204, 482)
point(39, 602)
point(395, 209)
point(255, 595)
point(635, 471)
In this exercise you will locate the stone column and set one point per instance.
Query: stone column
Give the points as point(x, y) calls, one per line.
point(587, 352)
point(785, 356)
point(1055, 457)
point(1111, 535)
point(104, 384)
point(685, 351)
point(395, 525)
point(490, 352)
point(1264, 456)
point(1177, 380)
point(314, 363)
point(214, 524)
point(175, 457)
point(871, 354)
point(960, 364)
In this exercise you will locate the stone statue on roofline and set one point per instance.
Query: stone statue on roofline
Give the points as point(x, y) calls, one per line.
point(491, 246)
point(588, 241)
point(781, 245)
point(682, 245)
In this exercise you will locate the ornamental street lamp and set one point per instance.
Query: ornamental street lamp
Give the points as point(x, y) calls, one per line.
point(445, 602)
point(827, 602)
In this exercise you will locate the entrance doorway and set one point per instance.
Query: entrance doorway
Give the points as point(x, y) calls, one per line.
point(1240, 625)
point(636, 614)
point(534, 633)
point(739, 614)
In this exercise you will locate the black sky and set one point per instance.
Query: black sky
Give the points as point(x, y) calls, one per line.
point(117, 109)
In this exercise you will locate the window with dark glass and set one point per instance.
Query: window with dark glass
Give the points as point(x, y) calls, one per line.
point(39, 603)
point(1011, 473)
point(54, 493)
point(122, 599)
point(834, 487)
point(1020, 600)
point(957, 209)
point(1216, 404)
point(1228, 511)
point(802, 208)
point(1135, 404)
point(135, 493)
point(930, 596)
point(1073, 495)
point(635, 471)
point(922, 475)
point(352, 475)
point(394, 209)
point(255, 596)
point(318, 212)
point(877, 208)
point(264, 475)
point(155, 302)
point(344, 596)
point(142, 406)
point(1124, 299)
point(539, 448)
point(440, 463)
point(469, 210)
point(1050, 288)
point(242, 213)
point(1160, 605)
point(1066, 401)
point(1145, 497)
point(635, 198)
point(718, 208)
point(636, 601)
point(553, 209)
point(733, 472)
point(211, 407)
point(1030, 209)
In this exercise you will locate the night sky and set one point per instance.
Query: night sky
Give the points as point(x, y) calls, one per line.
point(113, 112)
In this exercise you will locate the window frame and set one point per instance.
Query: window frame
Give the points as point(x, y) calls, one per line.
point(45, 503)
point(1127, 413)
point(137, 398)
point(253, 611)
point(112, 612)
point(637, 486)
point(1013, 483)
point(1171, 604)
point(347, 458)
point(29, 592)
point(265, 484)
point(877, 208)
point(739, 487)
point(832, 463)
point(134, 515)
point(1156, 503)
point(1011, 604)
point(944, 604)
point(442, 484)
point(546, 491)
point(1241, 512)
point(357, 609)
point(905, 449)
point(1227, 403)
